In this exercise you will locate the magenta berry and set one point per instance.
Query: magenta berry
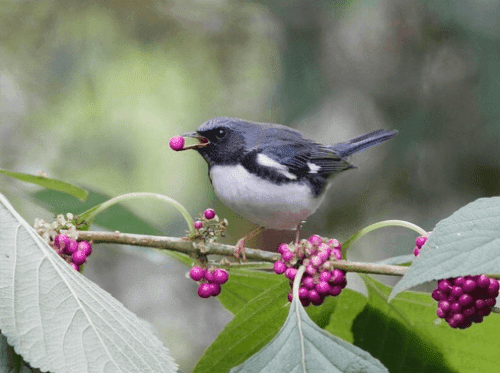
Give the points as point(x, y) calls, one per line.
point(438, 295)
point(338, 276)
point(456, 291)
point(279, 267)
point(469, 312)
point(322, 287)
point(444, 305)
point(325, 276)
point(283, 247)
point(220, 276)
point(483, 281)
point(493, 288)
point(198, 225)
point(215, 289)
point(444, 286)
point(314, 295)
point(416, 251)
point(459, 281)
point(196, 273)
point(303, 293)
point(75, 267)
point(290, 296)
point(317, 260)
point(465, 300)
point(469, 286)
point(311, 269)
point(287, 255)
point(209, 214)
point(315, 240)
point(60, 241)
point(290, 273)
point(334, 244)
point(441, 313)
point(308, 282)
point(204, 290)
point(78, 258)
point(176, 143)
point(335, 290)
point(209, 275)
point(420, 241)
point(85, 246)
point(337, 254)
point(70, 247)
point(327, 252)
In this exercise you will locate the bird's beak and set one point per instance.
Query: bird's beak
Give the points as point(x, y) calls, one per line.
point(202, 141)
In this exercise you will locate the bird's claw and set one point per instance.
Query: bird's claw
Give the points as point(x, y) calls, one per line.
point(240, 249)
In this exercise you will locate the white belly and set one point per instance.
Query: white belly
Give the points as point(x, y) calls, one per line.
point(262, 202)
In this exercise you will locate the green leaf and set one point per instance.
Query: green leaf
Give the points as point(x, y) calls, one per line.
point(58, 320)
point(49, 183)
point(252, 327)
point(245, 285)
point(408, 337)
point(466, 243)
point(350, 305)
point(301, 346)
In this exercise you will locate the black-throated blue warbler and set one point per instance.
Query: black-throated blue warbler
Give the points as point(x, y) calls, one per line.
point(270, 174)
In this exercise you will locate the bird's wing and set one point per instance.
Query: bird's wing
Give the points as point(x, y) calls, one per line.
point(303, 159)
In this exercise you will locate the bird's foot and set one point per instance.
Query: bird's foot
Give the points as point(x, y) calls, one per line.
point(240, 245)
point(297, 235)
point(240, 249)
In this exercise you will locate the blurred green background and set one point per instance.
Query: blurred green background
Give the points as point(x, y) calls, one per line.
point(91, 92)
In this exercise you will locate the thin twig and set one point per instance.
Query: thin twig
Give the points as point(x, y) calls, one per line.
point(189, 247)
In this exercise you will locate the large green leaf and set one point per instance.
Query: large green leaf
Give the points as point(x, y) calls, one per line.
point(301, 346)
point(49, 183)
point(252, 327)
point(58, 320)
point(466, 243)
point(408, 337)
point(245, 285)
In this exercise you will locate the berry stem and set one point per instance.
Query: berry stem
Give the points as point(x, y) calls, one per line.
point(381, 224)
point(296, 283)
point(90, 214)
point(186, 246)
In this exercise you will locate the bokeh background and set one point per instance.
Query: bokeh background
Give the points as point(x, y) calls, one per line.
point(91, 92)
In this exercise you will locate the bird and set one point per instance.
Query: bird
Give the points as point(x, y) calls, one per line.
point(271, 174)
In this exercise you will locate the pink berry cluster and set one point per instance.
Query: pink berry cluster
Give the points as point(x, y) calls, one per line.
point(463, 300)
point(210, 280)
point(320, 279)
point(75, 253)
point(209, 226)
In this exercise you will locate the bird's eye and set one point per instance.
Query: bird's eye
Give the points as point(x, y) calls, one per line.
point(220, 133)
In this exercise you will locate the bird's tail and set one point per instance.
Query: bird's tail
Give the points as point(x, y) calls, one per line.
point(358, 144)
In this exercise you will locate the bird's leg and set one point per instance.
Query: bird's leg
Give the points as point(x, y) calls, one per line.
point(240, 245)
point(297, 236)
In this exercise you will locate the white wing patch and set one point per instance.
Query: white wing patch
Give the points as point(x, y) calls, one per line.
point(265, 161)
point(313, 168)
